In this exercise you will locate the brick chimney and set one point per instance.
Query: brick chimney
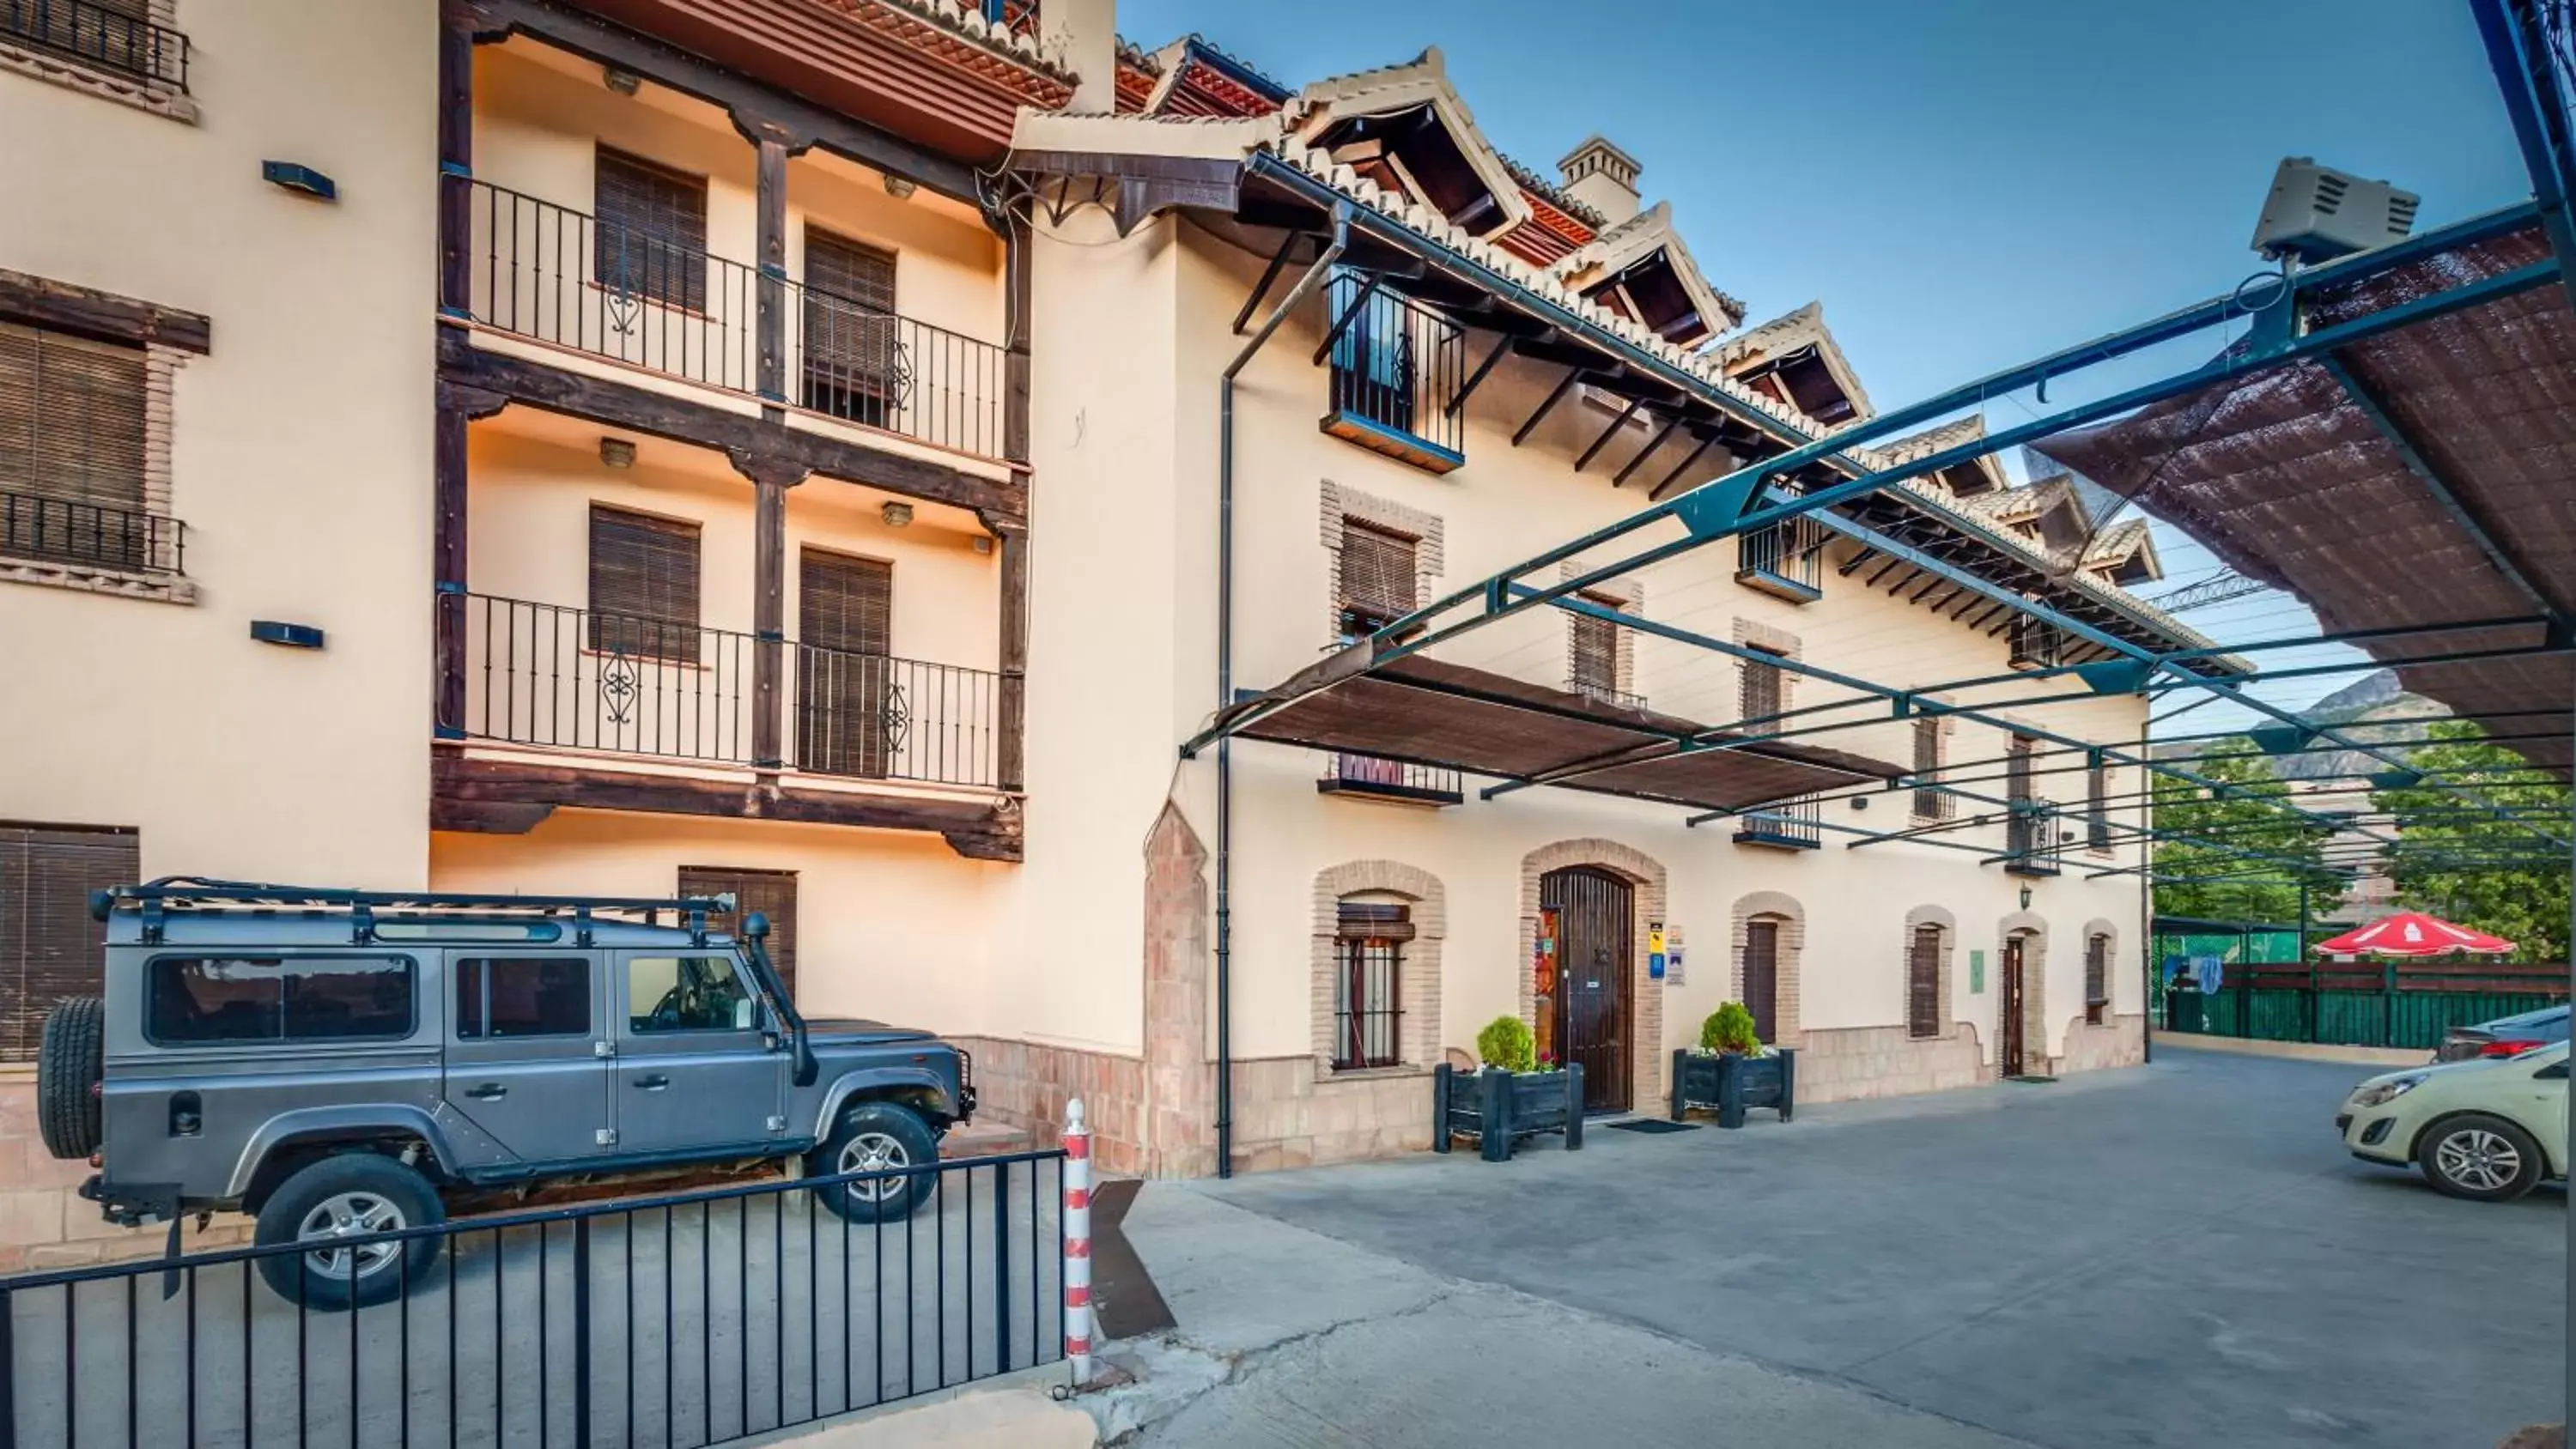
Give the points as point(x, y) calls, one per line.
point(1082, 36)
point(1602, 177)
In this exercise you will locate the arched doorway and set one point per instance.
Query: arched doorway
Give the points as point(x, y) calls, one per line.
point(1591, 913)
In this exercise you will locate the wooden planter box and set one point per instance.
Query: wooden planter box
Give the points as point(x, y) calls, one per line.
point(1498, 1108)
point(1729, 1083)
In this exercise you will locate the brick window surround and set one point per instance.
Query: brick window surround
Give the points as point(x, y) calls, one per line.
point(1942, 1012)
point(1791, 918)
point(1628, 596)
point(1342, 505)
point(1417, 982)
point(1646, 1000)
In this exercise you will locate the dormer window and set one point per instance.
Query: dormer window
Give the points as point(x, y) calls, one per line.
point(1405, 129)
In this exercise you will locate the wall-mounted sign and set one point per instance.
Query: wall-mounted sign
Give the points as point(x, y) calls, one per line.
point(1673, 962)
point(1976, 972)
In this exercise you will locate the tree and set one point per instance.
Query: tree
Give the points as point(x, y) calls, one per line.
point(2226, 852)
point(2493, 862)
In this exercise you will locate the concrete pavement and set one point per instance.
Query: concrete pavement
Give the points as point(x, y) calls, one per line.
point(2175, 1255)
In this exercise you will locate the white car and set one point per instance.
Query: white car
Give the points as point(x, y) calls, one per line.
point(2488, 1129)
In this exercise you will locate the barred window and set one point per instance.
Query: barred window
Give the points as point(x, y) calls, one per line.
point(1923, 983)
point(2097, 977)
point(1368, 960)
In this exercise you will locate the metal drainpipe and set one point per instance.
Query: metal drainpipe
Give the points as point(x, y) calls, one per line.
point(1225, 679)
point(2149, 967)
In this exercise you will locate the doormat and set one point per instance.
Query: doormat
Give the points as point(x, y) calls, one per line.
point(1651, 1124)
point(2030, 1081)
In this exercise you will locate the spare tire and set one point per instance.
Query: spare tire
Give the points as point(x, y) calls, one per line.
point(70, 1067)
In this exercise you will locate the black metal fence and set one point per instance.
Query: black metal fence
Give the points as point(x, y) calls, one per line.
point(1401, 779)
point(1600, 693)
point(561, 276)
point(685, 1320)
point(1396, 364)
point(2035, 838)
point(547, 674)
point(67, 530)
point(108, 38)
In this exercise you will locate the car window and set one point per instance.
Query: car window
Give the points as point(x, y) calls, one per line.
point(522, 996)
point(686, 993)
point(202, 1000)
point(2554, 1072)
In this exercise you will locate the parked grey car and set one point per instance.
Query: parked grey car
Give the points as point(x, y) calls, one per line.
point(343, 1063)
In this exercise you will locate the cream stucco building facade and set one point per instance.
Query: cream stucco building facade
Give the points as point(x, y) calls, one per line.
point(674, 456)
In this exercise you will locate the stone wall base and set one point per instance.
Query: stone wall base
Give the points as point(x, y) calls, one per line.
point(1848, 1063)
point(43, 1221)
point(2118, 1042)
point(1286, 1114)
point(1026, 1084)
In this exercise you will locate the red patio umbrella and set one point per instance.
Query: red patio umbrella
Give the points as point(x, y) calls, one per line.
point(2412, 933)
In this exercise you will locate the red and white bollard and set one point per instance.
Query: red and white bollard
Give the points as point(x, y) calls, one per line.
point(1077, 1242)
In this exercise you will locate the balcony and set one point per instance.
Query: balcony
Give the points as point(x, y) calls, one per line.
point(2034, 839)
point(1396, 366)
point(561, 277)
point(1789, 825)
point(101, 37)
point(1601, 693)
point(91, 535)
point(2034, 643)
point(576, 679)
point(1785, 560)
point(1374, 778)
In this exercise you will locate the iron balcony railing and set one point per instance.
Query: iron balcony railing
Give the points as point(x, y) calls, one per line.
point(2034, 838)
point(546, 674)
point(689, 1319)
point(1600, 693)
point(1789, 825)
point(1348, 774)
point(67, 530)
point(561, 276)
point(1788, 555)
point(104, 37)
point(2034, 643)
point(1396, 366)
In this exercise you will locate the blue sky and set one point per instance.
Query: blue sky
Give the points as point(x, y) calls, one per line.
point(1965, 185)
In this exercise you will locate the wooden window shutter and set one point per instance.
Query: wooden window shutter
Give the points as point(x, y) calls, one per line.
point(643, 584)
point(1378, 585)
point(1762, 977)
point(651, 234)
point(849, 317)
point(1761, 696)
point(71, 418)
point(770, 892)
point(1593, 649)
point(845, 603)
point(1929, 803)
point(49, 946)
point(1923, 983)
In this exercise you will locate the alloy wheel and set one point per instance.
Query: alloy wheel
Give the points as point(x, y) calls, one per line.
point(351, 1215)
point(875, 1152)
point(2477, 1159)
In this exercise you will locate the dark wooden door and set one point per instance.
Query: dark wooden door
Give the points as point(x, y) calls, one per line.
point(770, 892)
point(2012, 1032)
point(1596, 950)
point(1762, 977)
point(845, 684)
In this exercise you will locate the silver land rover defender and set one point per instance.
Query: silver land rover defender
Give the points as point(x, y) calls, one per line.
point(346, 1063)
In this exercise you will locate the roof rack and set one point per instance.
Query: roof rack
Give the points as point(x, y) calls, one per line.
point(155, 898)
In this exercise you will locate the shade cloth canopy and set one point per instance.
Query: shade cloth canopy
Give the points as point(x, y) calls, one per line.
point(2412, 933)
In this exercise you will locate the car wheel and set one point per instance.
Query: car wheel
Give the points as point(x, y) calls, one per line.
point(339, 1204)
point(872, 1136)
point(70, 1066)
point(2482, 1158)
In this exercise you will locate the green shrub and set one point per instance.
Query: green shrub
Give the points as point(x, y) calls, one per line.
point(1505, 1042)
point(1729, 1029)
